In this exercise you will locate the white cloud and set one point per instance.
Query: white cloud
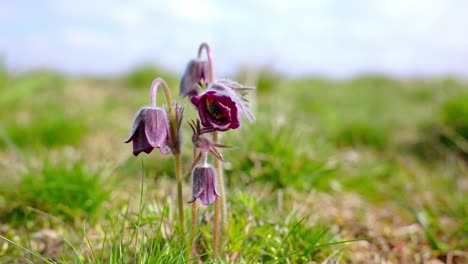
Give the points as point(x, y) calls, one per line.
point(334, 37)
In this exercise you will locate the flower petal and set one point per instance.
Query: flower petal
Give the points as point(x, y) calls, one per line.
point(140, 143)
point(237, 98)
point(234, 85)
point(156, 126)
point(208, 196)
point(198, 181)
point(195, 71)
point(136, 122)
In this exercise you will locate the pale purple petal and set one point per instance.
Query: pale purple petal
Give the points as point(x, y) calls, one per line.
point(156, 127)
point(204, 184)
point(234, 85)
point(198, 180)
point(195, 71)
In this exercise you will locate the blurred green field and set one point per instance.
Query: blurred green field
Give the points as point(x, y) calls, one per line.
point(373, 159)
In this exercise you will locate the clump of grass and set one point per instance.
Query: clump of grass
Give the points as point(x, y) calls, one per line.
point(30, 87)
point(359, 133)
point(259, 235)
point(47, 130)
point(447, 132)
point(454, 115)
point(39, 117)
point(66, 190)
point(280, 164)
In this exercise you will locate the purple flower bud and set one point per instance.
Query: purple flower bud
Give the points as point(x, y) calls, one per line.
point(196, 71)
point(149, 131)
point(204, 184)
point(217, 110)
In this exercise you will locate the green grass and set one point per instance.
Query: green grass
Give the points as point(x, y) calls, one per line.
point(62, 189)
point(326, 162)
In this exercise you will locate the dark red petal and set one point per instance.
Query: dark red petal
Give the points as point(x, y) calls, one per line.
point(196, 99)
point(202, 114)
point(234, 118)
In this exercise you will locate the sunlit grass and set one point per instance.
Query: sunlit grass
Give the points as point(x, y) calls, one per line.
point(64, 189)
point(326, 162)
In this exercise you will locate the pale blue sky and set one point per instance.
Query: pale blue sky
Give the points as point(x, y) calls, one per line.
point(336, 38)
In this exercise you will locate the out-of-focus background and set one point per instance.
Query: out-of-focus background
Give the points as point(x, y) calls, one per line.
point(399, 38)
point(361, 131)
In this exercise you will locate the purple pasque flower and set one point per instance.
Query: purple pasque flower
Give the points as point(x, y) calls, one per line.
point(204, 185)
point(196, 72)
point(219, 105)
point(150, 130)
point(217, 110)
point(232, 89)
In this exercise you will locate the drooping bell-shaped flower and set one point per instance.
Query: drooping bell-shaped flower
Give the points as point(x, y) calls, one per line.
point(196, 72)
point(219, 106)
point(150, 130)
point(204, 186)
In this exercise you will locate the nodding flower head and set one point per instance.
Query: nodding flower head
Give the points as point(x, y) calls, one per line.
point(219, 105)
point(150, 130)
point(204, 186)
point(196, 72)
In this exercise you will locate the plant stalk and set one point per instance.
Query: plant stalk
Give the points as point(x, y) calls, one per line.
point(192, 250)
point(221, 202)
point(180, 195)
point(174, 131)
point(220, 205)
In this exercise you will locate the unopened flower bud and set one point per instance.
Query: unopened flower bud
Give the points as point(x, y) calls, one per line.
point(195, 72)
point(204, 184)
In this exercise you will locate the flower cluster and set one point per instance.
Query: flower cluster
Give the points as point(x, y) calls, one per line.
point(219, 107)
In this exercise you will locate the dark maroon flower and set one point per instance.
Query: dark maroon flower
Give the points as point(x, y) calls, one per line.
point(217, 110)
point(149, 131)
point(195, 72)
point(204, 184)
point(232, 89)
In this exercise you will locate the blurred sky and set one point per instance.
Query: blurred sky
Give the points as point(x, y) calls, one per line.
point(335, 38)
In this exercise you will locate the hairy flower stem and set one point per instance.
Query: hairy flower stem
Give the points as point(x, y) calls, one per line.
point(216, 227)
point(220, 205)
point(180, 197)
point(221, 202)
point(210, 59)
point(192, 250)
point(175, 149)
